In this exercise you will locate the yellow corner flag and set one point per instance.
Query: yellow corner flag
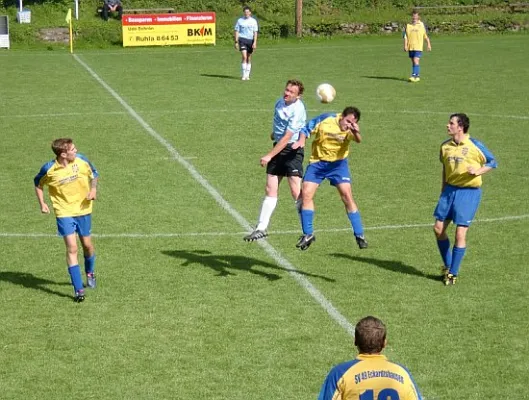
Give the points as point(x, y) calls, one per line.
point(68, 20)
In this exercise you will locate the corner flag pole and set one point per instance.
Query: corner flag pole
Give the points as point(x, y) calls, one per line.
point(69, 21)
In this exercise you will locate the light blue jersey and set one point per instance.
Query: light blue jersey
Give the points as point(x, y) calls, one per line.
point(290, 117)
point(246, 27)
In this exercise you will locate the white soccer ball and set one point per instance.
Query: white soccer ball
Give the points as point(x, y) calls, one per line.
point(326, 93)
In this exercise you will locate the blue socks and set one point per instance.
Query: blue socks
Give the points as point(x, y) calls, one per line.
point(444, 249)
point(76, 278)
point(457, 256)
point(307, 219)
point(415, 70)
point(89, 264)
point(356, 223)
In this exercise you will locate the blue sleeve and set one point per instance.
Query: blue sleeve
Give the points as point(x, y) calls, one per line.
point(42, 173)
point(419, 395)
point(331, 382)
point(307, 129)
point(490, 161)
point(94, 170)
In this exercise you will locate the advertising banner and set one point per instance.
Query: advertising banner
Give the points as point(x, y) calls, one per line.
point(168, 29)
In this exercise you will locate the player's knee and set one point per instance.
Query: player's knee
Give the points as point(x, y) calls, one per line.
point(72, 249)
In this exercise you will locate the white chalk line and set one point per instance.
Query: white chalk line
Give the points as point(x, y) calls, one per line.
point(239, 111)
point(269, 249)
point(241, 233)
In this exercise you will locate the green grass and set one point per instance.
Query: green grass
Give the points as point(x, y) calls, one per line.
point(203, 314)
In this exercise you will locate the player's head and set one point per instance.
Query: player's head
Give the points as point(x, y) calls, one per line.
point(247, 11)
point(350, 115)
point(415, 16)
point(64, 148)
point(293, 90)
point(459, 120)
point(370, 335)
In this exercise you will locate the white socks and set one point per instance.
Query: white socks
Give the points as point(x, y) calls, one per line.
point(267, 209)
point(246, 68)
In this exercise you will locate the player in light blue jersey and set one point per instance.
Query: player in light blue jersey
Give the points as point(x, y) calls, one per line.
point(464, 160)
point(245, 36)
point(286, 157)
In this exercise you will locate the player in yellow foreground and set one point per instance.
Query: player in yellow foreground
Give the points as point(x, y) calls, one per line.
point(370, 376)
point(414, 36)
point(72, 183)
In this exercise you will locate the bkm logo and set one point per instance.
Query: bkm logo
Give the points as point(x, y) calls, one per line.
point(200, 32)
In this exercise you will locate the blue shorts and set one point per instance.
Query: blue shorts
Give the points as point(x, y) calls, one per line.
point(335, 171)
point(458, 205)
point(415, 54)
point(69, 225)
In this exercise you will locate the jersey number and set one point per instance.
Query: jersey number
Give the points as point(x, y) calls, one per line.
point(385, 394)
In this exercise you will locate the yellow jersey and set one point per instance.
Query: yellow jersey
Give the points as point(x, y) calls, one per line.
point(415, 33)
point(68, 186)
point(457, 157)
point(369, 377)
point(330, 143)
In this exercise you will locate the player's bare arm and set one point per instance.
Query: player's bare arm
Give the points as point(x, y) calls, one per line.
point(92, 194)
point(277, 148)
point(40, 197)
point(478, 171)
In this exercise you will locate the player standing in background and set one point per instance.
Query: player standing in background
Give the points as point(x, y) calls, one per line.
point(72, 183)
point(245, 35)
point(370, 376)
point(330, 147)
point(414, 36)
point(286, 157)
point(464, 160)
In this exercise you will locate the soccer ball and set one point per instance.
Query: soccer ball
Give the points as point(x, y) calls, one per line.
point(326, 93)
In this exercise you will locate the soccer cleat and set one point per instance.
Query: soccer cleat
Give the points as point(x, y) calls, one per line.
point(450, 279)
point(361, 242)
point(411, 79)
point(305, 241)
point(79, 296)
point(91, 281)
point(417, 78)
point(444, 273)
point(255, 235)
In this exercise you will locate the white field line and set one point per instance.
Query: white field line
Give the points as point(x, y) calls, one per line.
point(233, 110)
point(241, 233)
point(269, 249)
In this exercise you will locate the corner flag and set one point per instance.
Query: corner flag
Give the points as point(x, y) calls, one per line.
point(68, 20)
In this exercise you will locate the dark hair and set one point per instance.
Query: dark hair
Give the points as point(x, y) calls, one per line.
point(60, 146)
point(414, 11)
point(247, 8)
point(351, 110)
point(462, 120)
point(370, 335)
point(295, 82)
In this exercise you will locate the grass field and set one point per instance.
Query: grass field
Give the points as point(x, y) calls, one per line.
point(184, 308)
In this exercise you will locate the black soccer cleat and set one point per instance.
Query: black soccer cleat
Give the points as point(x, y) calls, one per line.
point(361, 242)
point(255, 235)
point(305, 241)
point(79, 296)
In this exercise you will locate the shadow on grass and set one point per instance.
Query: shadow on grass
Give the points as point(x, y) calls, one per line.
point(220, 76)
point(387, 78)
point(393, 266)
point(224, 265)
point(30, 281)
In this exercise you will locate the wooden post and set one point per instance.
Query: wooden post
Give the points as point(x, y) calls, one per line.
point(299, 18)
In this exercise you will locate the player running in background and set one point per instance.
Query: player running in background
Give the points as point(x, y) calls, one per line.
point(370, 376)
point(245, 36)
point(286, 157)
point(464, 160)
point(72, 184)
point(414, 36)
point(330, 147)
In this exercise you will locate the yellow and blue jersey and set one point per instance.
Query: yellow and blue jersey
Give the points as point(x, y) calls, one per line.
point(369, 377)
point(68, 186)
point(330, 143)
point(457, 157)
point(415, 33)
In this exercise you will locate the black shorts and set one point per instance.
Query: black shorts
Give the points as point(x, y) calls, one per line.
point(287, 163)
point(246, 44)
